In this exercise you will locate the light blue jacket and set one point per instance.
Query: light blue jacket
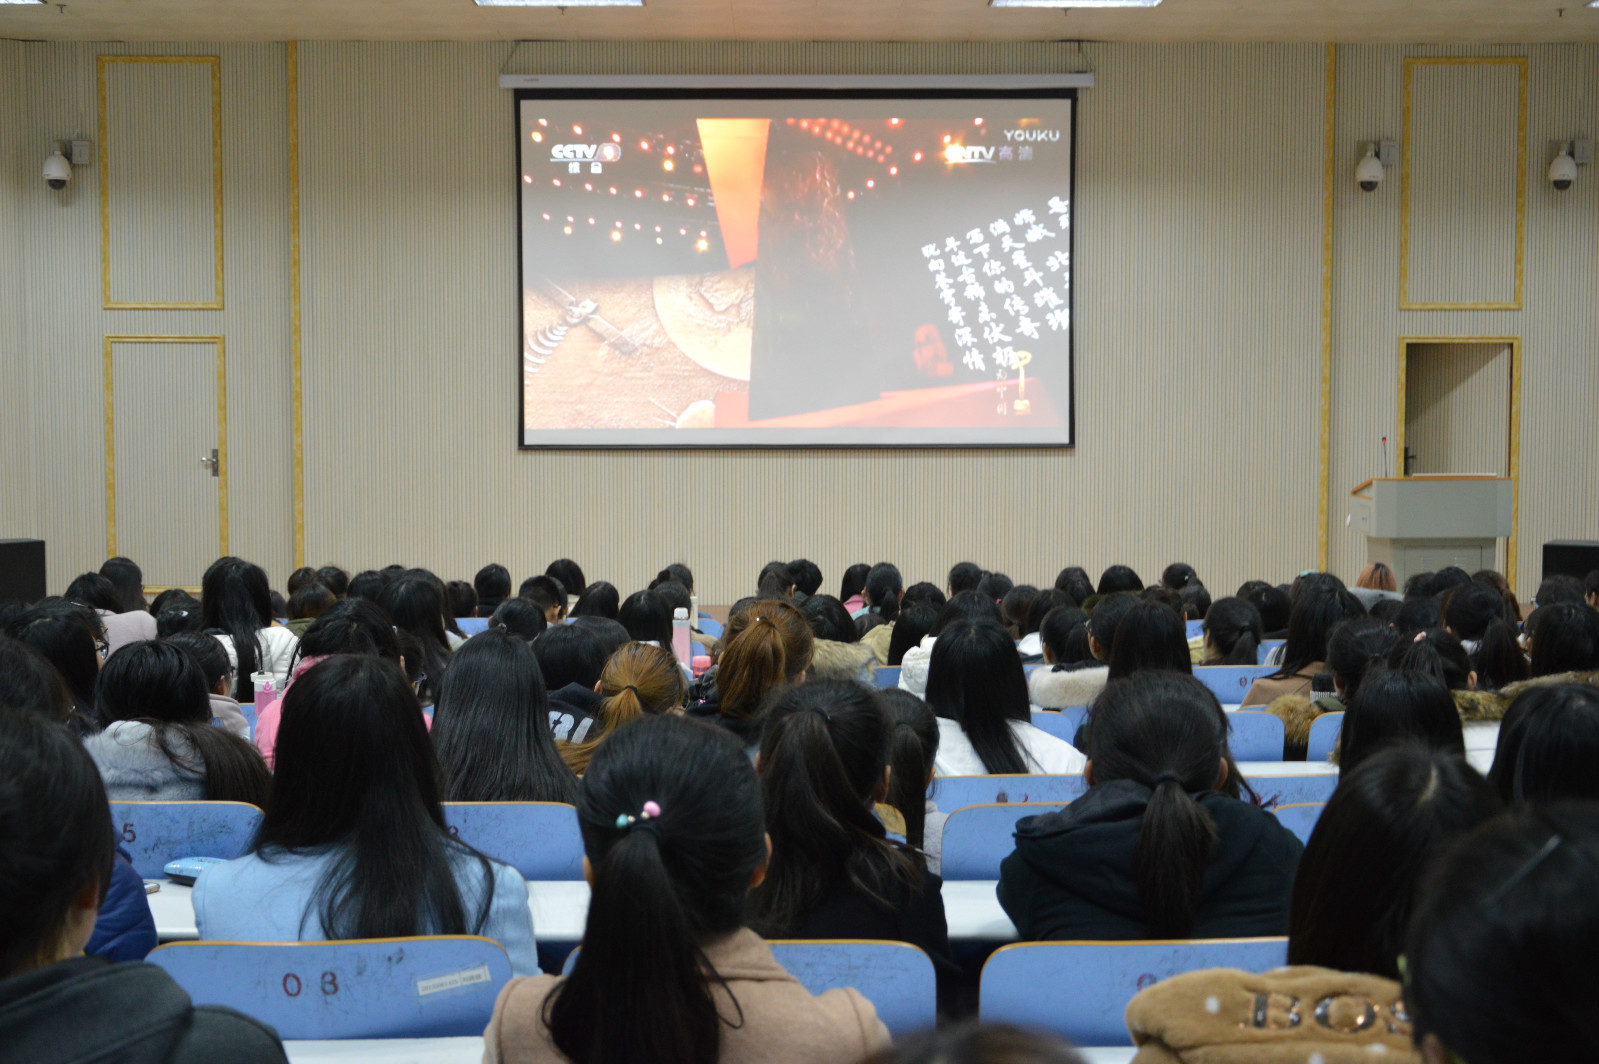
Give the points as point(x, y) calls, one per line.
point(252, 899)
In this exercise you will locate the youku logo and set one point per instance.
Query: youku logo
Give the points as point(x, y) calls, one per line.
point(607, 152)
point(1032, 134)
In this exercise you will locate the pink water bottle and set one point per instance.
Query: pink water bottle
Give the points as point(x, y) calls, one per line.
point(681, 637)
point(266, 692)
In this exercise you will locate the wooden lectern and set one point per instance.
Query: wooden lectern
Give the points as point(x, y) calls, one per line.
point(1422, 524)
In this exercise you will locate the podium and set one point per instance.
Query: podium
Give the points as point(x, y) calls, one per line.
point(1422, 524)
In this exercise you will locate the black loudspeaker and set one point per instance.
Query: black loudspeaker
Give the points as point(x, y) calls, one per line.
point(1570, 557)
point(21, 570)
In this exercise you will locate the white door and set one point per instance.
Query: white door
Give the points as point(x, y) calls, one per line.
point(167, 457)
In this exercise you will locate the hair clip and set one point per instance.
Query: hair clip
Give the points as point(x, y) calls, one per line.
point(649, 812)
point(1421, 637)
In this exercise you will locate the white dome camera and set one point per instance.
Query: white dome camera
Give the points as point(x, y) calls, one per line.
point(57, 170)
point(1563, 171)
point(1368, 172)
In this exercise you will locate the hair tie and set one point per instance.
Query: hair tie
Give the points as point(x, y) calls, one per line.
point(630, 687)
point(1167, 777)
point(1421, 637)
point(650, 811)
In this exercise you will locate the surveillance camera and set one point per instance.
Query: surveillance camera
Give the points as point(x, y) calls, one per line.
point(57, 170)
point(1563, 171)
point(1368, 174)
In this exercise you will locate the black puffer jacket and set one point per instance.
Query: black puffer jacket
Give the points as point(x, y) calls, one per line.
point(1071, 876)
point(87, 1011)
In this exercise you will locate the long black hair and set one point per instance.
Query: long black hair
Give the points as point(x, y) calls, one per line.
point(830, 620)
point(1357, 879)
point(1548, 743)
point(975, 679)
point(1354, 646)
point(912, 749)
point(647, 616)
point(1434, 651)
point(1565, 638)
point(55, 836)
point(355, 773)
point(853, 581)
point(96, 592)
point(912, 625)
point(161, 685)
point(1499, 954)
point(966, 606)
point(823, 751)
point(1075, 582)
point(354, 626)
point(1064, 634)
point(1315, 610)
point(599, 599)
point(71, 638)
point(491, 726)
point(28, 682)
point(128, 579)
point(236, 601)
point(1150, 636)
point(882, 590)
point(1476, 612)
point(415, 604)
point(1165, 731)
point(665, 886)
point(1398, 705)
point(1235, 630)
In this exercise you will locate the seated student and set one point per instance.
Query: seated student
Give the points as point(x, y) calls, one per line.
point(1475, 614)
point(568, 574)
point(976, 686)
point(353, 844)
point(57, 1005)
point(647, 618)
point(158, 744)
point(1397, 706)
point(125, 929)
point(415, 605)
point(121, 628)
point(61, 637)
point(175, 610)
point(1563, 645)
point(964, 605)
point(1150, 635)
point(1376, 576)
point(1317, 608)
point(550, 595)
point(766, 645)
point(213, 662)
point(1031, 645)
point(882, 592)
point(1118, 578)
point(334, 579)
point(839, 654)
point(611, 634)
point(493, 586)
point(306, 604)
point(1356, 882)
point(236, 607)
point(675, 840)
point(776, 581)
point(1272, 602)
point(1075, 582)
point(964, 576)
point(834, 873)
point(1438, 653)
point(599, 599)
point(639, 680)
point(523, 617)
point(571, 658)
point(1556, 590)
point(491, 726)
point(912, 631)
point(851, 586)
point(1013, 608)
point(1232, 633)
point(1549, 745)
point(1353, 648)
point(1499, 955)
point(127, 579)
point(677, 598)
point(1073, 676)
point(679, 572)
point(354, 626)
point(912, 752)
point(1153, 850)
point(461, 599)
point(807, 579)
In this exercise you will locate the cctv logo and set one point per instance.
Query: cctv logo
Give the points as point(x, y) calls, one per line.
point(957, 153)
point(1032, 134)
point(604, 153)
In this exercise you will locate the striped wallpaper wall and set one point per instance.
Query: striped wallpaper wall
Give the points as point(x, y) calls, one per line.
point(1198, 309)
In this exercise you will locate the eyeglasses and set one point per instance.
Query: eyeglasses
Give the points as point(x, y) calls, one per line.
point(101, 647)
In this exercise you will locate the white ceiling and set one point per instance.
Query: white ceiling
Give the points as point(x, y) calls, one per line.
point(1345, 21)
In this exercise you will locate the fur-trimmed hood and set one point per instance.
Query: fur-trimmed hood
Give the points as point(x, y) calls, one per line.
point(1510, 691)
point(833, 660)
point(1298, 713)
point(1480, 705)
point(135, 769)
point(1051, 687)
point(914, 665)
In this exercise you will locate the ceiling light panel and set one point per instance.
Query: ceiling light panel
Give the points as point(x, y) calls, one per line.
point(1073, 3)
point(560, 3)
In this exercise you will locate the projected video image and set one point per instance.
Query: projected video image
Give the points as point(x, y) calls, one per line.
point(796, 271)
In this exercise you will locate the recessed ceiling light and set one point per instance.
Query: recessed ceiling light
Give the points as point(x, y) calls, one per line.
point(22, 1)
point(560, 3)
point(1078, 3)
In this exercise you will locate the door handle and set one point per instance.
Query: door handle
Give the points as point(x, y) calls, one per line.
point(213, 461)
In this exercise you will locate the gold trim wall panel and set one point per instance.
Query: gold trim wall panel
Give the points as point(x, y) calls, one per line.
point(220, 344)
point(108, 150)
point(1514, 343)
point(296, 375)
point(1324, 443)
point(1468, 162)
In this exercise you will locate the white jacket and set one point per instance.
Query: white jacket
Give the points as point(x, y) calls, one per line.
point(1044, 753)
point(275, 648)
point(135, 770)
point(914, 665)
point(1048, 689)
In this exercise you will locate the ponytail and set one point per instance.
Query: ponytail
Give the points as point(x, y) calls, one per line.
point(1498, 660)
point(638, 680)
point(639, 947)
point(768, 644)
point(1174, 849)
point(908, 766)
point(883, 589)
point(1235, 630)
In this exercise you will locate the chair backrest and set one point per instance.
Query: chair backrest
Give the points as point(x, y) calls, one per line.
point(978, 837)
point(887, 677)
point(1300, 817)
point(1195, 629)
point(709, 625)
point(539, 839)
point(1255, 735)
point(1230, 683)
point(1061, 723)
point(1324, 736)
point(1277, 791)
point(435, 987)
point(471, 626)
point(896, 977)
point(155, 833)
point(1266, 647)
point(1080, 990)
point(953, 792)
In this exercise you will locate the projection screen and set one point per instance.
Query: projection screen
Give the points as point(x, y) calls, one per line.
point(742, 268)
